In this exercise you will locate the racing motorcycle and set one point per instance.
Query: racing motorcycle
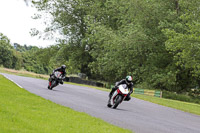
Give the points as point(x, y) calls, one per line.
point(118, 96)
point(54, 80)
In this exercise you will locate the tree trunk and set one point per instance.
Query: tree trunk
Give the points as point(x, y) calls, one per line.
point(177, 6)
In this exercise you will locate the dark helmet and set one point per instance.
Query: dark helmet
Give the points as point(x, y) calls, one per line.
point(63, 67)
point(129, 79)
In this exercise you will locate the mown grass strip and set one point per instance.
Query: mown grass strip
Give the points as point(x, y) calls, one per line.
point(24, 112)
point(184, 106)
point(23, 73)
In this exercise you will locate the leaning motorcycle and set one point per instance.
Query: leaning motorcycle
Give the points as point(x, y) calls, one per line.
point(118, 96)
point(54, 80)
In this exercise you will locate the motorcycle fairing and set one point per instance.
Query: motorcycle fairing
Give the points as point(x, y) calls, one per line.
point(122, 89)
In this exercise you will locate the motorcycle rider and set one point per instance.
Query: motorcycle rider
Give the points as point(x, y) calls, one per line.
point(128, 82)
point(60, 69)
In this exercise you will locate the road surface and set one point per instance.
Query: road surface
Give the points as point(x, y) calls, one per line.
point(137, 115)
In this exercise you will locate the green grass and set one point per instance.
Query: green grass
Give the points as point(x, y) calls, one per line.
point(184, 106)
point(23, 73)
point(24, 112)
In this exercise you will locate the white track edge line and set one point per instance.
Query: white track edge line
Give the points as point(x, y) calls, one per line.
point(12, 81)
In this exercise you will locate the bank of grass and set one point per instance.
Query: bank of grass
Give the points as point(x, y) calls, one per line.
point(23, 73)
point(24, 112)
point(184, 106)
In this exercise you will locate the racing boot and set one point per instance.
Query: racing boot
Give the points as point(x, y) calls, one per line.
point(110, 95)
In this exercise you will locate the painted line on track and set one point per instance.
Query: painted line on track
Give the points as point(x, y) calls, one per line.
point(12, 81)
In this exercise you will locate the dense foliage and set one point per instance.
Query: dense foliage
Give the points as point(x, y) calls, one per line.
point(30, 58)
point(155, 41)
point(8, 56)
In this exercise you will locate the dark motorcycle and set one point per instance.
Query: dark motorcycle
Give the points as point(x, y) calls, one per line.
point(54, 80)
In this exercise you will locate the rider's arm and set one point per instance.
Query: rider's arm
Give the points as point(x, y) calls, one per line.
point(131, 89)
point(56, 69)
point(63, 75)
point(120, 82)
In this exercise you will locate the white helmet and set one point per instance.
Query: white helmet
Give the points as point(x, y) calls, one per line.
point(129, 79)
point(63, 67)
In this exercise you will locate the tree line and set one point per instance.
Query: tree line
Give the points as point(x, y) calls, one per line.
point(155, 41)
point(30, 58)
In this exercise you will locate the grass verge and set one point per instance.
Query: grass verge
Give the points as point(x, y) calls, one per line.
point(22, 112)
point(184, 106)
point(23, 73)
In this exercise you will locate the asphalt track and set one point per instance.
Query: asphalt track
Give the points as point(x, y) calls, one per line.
point(137, 115)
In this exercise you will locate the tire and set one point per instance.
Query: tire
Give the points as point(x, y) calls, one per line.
point(53, 84)
point(118, 101)
point(109, 105)
point(49, 85)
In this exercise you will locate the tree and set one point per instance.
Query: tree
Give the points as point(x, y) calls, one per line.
point(68, 19)
point(8, 56)
point(155, 41)
point(183, 42)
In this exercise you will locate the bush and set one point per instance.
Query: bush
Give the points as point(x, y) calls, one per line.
point(180, 97)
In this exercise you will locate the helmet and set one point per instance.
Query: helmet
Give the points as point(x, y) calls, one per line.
point(63, 66)
point(129, 79)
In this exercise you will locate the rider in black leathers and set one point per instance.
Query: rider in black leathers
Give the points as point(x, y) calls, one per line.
point(60, 69)
point(128, 82)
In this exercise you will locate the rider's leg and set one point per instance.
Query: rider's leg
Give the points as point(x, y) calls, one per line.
point(128, 97)
point(61, 82)
point(111, 93)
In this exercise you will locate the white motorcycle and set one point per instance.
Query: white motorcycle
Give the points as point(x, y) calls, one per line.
point(118, 96)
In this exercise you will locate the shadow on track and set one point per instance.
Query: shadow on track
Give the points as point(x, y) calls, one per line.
point(118, 109)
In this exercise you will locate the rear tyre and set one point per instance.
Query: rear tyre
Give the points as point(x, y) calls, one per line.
point(118, 101)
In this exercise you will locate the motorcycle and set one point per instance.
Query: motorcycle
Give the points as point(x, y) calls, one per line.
point(54, 80)
point(118, 96)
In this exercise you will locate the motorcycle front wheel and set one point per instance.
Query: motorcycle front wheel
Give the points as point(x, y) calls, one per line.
point(53, 84)
point(117, 101)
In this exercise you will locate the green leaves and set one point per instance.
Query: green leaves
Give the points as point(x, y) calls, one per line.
point(155, 41)
point(8, 56)
point(185, 43)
